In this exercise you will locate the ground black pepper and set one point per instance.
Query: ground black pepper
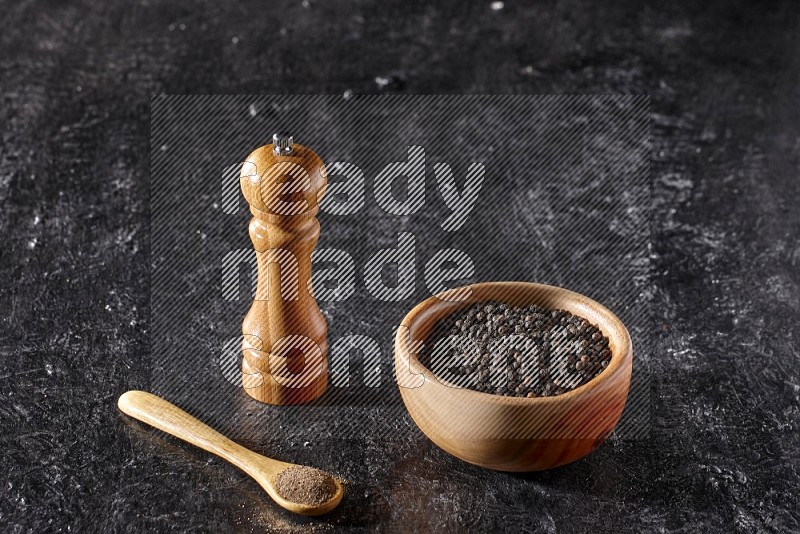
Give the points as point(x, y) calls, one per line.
point(305, 485)
point(516, 351)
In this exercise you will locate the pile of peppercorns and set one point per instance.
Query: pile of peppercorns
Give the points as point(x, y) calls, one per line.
point(516, 351)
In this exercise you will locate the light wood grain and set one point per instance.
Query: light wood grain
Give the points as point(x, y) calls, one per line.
point(284, 307)
point(513, 433)
point(165, 416)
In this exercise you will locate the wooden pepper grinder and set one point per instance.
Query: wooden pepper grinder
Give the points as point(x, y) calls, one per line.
point(284, 342)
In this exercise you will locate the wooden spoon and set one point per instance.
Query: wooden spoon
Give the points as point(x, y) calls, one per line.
point(159, 413)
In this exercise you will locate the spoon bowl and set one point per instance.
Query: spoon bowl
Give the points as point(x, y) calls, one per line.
point(165, 416)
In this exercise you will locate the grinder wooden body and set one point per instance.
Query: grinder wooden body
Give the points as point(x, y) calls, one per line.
point(284, 343)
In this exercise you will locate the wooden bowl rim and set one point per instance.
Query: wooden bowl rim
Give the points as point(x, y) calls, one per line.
point(617, 359)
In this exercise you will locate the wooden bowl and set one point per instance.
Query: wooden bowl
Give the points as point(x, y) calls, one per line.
point(513, 433)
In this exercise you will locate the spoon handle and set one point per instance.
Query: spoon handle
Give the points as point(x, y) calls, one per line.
point(165, 416)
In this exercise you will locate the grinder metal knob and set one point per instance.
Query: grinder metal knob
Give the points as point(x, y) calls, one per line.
point(282, 143)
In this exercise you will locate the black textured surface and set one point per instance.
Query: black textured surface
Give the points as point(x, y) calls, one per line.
point(566, 198)
point(76, 84)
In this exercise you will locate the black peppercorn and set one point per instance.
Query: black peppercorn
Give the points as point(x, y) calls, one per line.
point(563, 346)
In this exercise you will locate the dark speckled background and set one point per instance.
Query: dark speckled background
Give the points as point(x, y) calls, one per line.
point(724, 79)
point(565, 200)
